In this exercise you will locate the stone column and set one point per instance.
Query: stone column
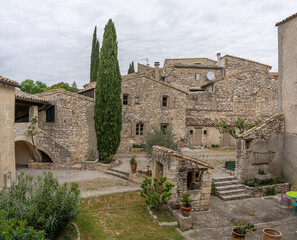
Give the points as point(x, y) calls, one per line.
point(33, 112)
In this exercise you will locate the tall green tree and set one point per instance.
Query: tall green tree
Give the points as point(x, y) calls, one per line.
point(63, 85)
point(108, 105)
point(131, 68)
point(94, 57)
point(29, 86)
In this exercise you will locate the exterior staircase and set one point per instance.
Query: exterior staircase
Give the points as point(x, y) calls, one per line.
point(228, 188)
point(118, 173)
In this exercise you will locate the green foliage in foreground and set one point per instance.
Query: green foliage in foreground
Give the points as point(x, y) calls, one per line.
point(154, 192)
point(159, 137)
point(242, 226)
point(17, 230)
point(42, 203)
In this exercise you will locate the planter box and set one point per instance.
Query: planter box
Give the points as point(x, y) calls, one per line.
point(262, 178)
point(260, 191)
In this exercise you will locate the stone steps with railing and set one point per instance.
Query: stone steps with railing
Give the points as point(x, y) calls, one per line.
point(228, 188)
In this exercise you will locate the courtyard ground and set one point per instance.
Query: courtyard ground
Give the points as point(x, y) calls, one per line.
point(208, 225)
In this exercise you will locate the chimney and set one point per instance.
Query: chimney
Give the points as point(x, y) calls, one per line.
point(157, 71)
point(218, 56)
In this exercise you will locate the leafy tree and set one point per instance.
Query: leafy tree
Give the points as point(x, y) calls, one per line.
point(108, 105)
point(159, 137)
point(31, 132)
point(29, 86)
point(236, 127)
point(63, 85)
point(131, 68)
point(94, 57)
point(74, 85)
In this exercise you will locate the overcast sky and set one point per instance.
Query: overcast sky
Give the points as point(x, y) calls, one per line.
point(50, 40)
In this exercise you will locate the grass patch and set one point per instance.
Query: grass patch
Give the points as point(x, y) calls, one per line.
point(120, 216)
point(69, 233)
point(164, 215)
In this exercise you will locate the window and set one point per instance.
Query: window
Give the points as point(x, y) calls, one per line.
point(162, 79)
point(125, 99)
point(197, 76)
point(191, 132)
point(164, 126)
point(205, 132)
point(164, 101)
point(50, 114)
point(139, 129)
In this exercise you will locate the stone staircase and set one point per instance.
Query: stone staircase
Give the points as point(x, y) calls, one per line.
point(228, 188)
point(118, 173)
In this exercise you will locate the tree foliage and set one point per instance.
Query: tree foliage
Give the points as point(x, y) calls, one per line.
point(29, 86)
point(63, 85)
point(42, 203)
point(94, 57)
point(237, 127)
point(155, 193)
point(108, 105)
point(131, 68)
point(159, 137)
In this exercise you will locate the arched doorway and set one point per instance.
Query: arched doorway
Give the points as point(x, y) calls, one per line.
point(23, 154)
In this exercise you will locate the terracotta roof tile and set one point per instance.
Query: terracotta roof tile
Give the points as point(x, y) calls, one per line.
point(29, 97)
point(9, 82)
point(286, 19)
point(247, 60)
point(56, 91)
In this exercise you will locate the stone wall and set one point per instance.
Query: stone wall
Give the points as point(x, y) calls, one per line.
point(168, 163)
point(260, 191)
point(260, 148)
point(7, 153)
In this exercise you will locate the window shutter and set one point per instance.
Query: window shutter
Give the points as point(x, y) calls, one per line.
point(147, 128)
point(133, 129)
point(129, 100)
point(171, 102)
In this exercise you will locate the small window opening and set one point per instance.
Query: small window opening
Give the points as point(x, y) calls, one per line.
point(164, 101)
point(197, 76)
point(162, 79)
point(191, 132)
point(205, 132)
point(193, 180)
point(50, 114)
point(164, 127)
point(125, 99)
point(139, 129)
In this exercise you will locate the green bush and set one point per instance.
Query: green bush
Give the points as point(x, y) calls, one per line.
point(214, 146)
point(261, 172)
point(42, 203)
point(17, 230)
point(270, 191)
point(154, 192)
point(159, 137)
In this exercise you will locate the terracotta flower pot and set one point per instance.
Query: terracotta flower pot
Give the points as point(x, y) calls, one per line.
point(185, 211)
point(133, 167)
point(236, 235)
point(182, 144)
point(271, 234)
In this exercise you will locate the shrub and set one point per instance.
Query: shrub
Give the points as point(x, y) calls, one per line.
point(43, 204)
point(242, 226)
point(270, 191)
point(133, 159)
point(186, 199)
point(17, 230)
point(136, 146)
point(261, 172)
point(155, 194)
point(159, 137)
point(214, 146)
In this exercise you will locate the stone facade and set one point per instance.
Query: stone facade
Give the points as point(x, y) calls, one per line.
point(186, 173)
point(260, 148)
point(260, 191)
point(287, 60)
point(7, 153)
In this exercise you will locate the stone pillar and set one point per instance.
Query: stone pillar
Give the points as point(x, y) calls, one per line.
point(157, 71)
point(33, 112)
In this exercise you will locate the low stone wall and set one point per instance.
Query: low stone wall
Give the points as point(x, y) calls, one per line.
point(94, 165)
point(42, 165)
point(260, 191)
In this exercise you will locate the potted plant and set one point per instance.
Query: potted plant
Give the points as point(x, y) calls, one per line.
point(182, 142)
point(186, 207)
point(271, 234)
point(133, 164)
point(242, 227)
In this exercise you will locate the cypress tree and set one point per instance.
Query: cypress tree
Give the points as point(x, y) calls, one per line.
point(131, 68)
point(108, 105)
point(94, 57)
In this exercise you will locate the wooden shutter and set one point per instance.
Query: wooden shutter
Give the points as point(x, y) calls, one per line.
point(171, 102)
point(133, 129)
point(129, 99)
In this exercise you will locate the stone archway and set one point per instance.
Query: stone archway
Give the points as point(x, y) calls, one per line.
point(23, 153)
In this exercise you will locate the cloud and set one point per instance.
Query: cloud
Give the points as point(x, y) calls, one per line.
point(50, 41)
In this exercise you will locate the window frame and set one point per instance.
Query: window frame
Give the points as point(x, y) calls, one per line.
point(50, 114)
point(125, 95)
point(139, 131)
point(166, 101)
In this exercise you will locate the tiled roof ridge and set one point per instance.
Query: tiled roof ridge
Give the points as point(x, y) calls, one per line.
point(263, 124)
point(28, 96)
point(51, 92)
point(189, 58)
point(8, 81)
point(286, 19)
point(244, 71)
point(144, 65)
point(248, 60)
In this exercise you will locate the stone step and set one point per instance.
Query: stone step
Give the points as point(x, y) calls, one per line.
point(223, 179)
point(235, 196)
point(224, 183)
point(117, 174)
point(230, 187)
point(119, 171)
point(230, 192)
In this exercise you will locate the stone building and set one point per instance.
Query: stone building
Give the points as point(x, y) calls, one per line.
point(287, 104)
point(67, 125)
point(193, 95)
point(7, 109)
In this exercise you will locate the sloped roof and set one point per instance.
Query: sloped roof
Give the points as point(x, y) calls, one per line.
point(20, 95)
point(247, 60)
point(286, 19)
point(9, 82)
point(56, 91)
